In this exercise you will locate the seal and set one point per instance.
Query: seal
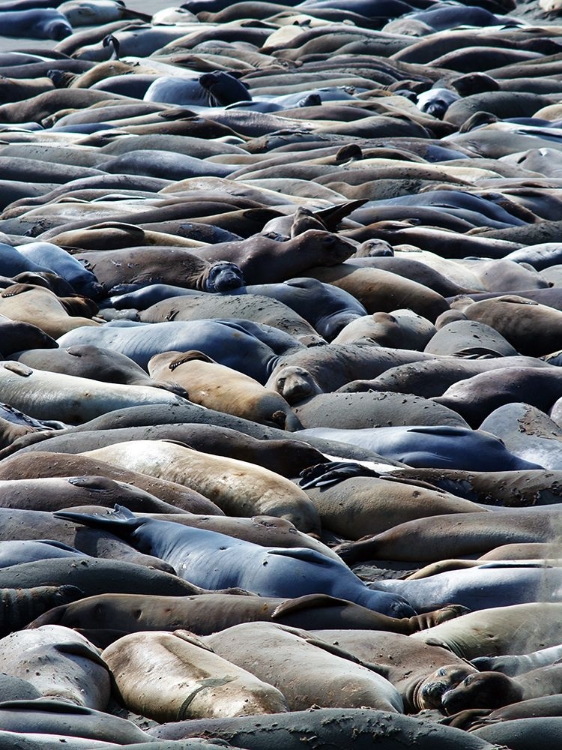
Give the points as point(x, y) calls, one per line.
point(109, 616)
point(494, 689)
point(45, 464)
point(413, 668)
point(175, 676)
point(499, 630)
point(238, 487)
point(168, 265)
point(245, 346)
point(469, 534)
point(93, 363)
point(40, 307)
point(46, 395)
point(60, 663)
point(382, 291)
point(218, 387)
point(277, 653)
point(255, 307)
point(265, 261)
point(331, 725)
point(286, 572)
point(430, 446)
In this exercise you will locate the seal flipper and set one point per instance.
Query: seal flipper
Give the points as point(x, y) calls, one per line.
point(121, 516)
point(308, 601)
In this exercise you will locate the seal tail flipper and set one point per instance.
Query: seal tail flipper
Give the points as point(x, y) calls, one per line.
point(120, 517)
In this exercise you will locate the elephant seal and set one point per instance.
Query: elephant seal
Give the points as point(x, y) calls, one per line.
point(463, 337)
point(477, 397)
point(265, 261)
point(286, 572)
point(45, 494)
point(242, 345)
point(46, 395)
point(241, 488)
point(331, 725)
point(402, 329)
point(62, 263)
point(382, 291)
point(513, 666)
point(516, 629)
point(508, 582)
point(522, 734)
point(432, 446)
point(165, 265)
point(326, 307)
point(441, 537)
point(359, 506)
point(40, 307)
point(277, 653)
point(73, 726)
point(60, 663)
point(46, 464)
point(355, 411)
point(533, 329)
point(94, 363)
point(174, 676)
point(258, 308)
point(413, 668)
point(37, 23)
point(110, 616)
point(218, 387)
point(494, 689)
point(22, 605)
point(432, 377)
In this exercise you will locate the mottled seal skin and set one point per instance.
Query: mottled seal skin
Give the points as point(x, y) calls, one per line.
point(222, 388)
point(174, 676)
point(276, 653)
point(292, 572)
point(333, 726)
point(60, 663)
point(258, 308)
point(363, 410)
point(168, 265)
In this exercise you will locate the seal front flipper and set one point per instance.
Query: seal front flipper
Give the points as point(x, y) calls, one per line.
point(323, 475)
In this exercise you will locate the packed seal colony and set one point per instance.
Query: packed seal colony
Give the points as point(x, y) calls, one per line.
point(281, 375)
